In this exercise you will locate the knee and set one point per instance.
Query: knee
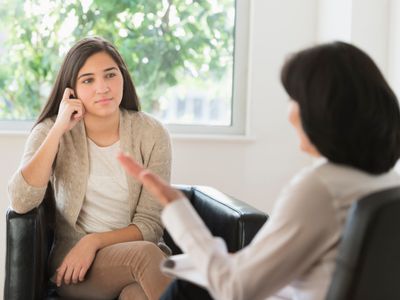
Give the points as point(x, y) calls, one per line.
point(149, 249)
point(143, 253)
point(132, 291)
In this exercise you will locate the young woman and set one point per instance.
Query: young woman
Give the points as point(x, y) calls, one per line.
point(344, 113)
point(106, 226)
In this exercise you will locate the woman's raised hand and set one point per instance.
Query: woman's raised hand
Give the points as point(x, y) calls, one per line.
point(153, 183)
point(70, 112)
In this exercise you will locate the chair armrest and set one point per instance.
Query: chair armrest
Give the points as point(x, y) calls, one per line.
point(26, 255)
point(235, 221)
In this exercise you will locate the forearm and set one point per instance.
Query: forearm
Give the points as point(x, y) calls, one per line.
point(126, 234)
point(37, 171)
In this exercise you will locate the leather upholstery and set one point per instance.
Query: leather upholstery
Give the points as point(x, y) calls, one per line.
point(29, 238)
point(368, 264)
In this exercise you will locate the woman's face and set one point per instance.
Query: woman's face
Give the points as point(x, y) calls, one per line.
point(100, 85)
point(295, 120)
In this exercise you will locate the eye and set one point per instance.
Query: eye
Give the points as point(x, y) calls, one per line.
point(110, 75)
point(87, 81)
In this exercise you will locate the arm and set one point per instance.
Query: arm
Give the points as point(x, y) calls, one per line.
point(126, 234)
point(37, 169)
point(300, 231)
point(28, 185)
point(79, 259)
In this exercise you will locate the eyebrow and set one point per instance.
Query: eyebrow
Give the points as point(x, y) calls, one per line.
point(105, 70)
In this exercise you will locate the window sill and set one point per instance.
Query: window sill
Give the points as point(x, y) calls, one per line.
point(225, 138)
point(245, 139)
point(14, 133)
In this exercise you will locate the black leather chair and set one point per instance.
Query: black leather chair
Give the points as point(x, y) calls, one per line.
point(368, 263)
point(29, 238)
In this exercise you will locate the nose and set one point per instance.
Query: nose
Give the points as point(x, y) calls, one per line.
point(102, 87)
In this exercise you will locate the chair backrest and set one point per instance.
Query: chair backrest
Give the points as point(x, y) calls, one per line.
point(28, 243)
point(26, 274)
point(368, 263)
point(233, 220)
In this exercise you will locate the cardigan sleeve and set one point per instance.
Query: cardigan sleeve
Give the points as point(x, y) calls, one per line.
point(23, 196)
point(158, 160)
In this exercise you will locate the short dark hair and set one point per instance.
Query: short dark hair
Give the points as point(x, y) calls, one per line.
point(74, 61)
point(347, 108)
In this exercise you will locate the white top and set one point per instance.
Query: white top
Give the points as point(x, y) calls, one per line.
point(106, 205)
point(293, 255)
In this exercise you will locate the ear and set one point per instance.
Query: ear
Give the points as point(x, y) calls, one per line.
point(295, 119)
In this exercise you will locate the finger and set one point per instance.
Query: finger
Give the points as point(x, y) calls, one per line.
point(153, 186)
point(68, 274)
point(156, 186)
point(75, 275)
point(130, 165)
point(77, 112)
point(82, 274)
point(67, 93)
point(77, 103)
point(76, 117)
point(149, 179)
point(159, 188)
point(60, 274)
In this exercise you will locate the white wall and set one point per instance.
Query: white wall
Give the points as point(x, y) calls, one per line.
point(364, 23)
point(11, 147)
point(255, 169)
point(393, 66)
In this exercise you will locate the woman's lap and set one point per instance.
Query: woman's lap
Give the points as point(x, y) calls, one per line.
point(118, 266)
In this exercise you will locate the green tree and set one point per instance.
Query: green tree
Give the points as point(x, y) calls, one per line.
point(162, 42)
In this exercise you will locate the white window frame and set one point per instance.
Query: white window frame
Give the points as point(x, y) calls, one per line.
point(239, 89)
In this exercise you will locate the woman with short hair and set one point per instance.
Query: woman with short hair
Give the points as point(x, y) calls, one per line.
point(346, 115)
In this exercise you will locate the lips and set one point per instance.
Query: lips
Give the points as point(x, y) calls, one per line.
point(104, 100)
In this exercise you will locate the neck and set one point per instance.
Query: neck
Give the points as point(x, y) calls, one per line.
point(102, 131)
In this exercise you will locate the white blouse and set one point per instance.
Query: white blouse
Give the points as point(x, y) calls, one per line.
point(293, 255)
point(106, 205)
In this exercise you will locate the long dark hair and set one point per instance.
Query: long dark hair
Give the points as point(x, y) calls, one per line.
point(347, 108)
point(74, 61)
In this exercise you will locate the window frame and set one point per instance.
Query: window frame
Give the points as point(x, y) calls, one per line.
point(239, 88)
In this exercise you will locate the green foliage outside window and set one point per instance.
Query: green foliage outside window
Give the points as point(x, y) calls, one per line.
point(164, 42)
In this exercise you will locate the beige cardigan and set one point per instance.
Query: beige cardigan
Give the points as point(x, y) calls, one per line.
point(140, 135)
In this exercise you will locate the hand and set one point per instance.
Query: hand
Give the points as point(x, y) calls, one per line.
point(78, 261)
point(70, 112)
point(154, 184)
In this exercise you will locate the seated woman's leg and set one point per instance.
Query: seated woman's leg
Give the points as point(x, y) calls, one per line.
point(183, 290)
point(116, 267)
point(132, 291)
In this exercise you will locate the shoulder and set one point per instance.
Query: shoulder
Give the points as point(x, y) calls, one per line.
point(142, 123)
point(44, 126)
point(40, 131)
point(308, 180)
point(307, 193)
point(306, 203)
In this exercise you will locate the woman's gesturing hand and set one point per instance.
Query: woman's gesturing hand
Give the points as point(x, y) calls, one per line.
point(153, 183)
point(70, 112)
point(77, 262)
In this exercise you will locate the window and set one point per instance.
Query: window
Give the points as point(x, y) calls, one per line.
point(180, 54)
